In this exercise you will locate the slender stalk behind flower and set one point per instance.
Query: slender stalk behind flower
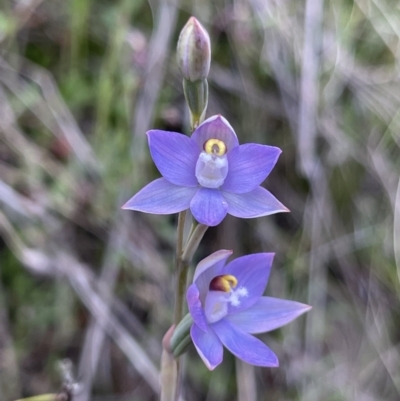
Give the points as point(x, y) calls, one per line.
point(171, 373)
point(196, 95)
point(182, 265)
point(169, 370)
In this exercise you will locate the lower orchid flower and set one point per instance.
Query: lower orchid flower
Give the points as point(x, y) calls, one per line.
point(210, 173)
point(227, 307)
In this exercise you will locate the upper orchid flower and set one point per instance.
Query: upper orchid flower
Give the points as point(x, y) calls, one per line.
point(209, 173)
point(227, 306)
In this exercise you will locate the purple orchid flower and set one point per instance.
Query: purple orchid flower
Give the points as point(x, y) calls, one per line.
point(209, 173)
point(227, 306)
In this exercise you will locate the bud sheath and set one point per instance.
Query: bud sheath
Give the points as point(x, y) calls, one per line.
point(196, 95)
point(181, 339)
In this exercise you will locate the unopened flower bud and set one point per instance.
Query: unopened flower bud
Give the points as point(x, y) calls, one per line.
point(194, 51)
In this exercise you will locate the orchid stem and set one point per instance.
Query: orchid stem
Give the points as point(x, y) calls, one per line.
point(179, 243)
point(170, 367)
point(183, 258)
point(193, 243)
point(180, 270)
point(184, 255)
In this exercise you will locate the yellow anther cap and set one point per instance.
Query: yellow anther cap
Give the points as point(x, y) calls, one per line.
point(223, 283)
point(215, 147)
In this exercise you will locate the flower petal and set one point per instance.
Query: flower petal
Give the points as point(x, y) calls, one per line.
point(207, 269)
point(259, 202)
point(195, 307)
point(215, 127)
point(252, 273)
point(267, 314)
point(243, 345)
point(208, 346)
point(161, 197)
point(208, 206)
point(249, 165)
point(175, 156)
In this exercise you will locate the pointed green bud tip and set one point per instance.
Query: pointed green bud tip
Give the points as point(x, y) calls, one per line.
point(194, 51)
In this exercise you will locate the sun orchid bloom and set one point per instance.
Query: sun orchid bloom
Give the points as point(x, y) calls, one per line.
point(227, 306)
point(210, 173)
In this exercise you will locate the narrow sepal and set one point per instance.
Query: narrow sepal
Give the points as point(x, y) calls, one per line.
point(244, 345)
point(161, 197)
point(268, 314)
point(208, 346)
point(256, 203)
point(195, 307)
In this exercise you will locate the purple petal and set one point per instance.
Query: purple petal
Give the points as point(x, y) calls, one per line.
point(243, 345)
point(195, 307)
point(208, 346)
point(267, 314)
point(249, 165)
point(175, 156)
point(212, 261)
point(208, 206)
point(207, 269)
point(161, 197)
point(215, 127)
point(252, 273)
point(259, 202)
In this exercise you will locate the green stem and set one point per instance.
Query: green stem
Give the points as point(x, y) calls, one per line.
point(180, 271)
point(184, 256)
point(171, 367)
point(193, 243)
point(179, 242)
point(180, 291)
